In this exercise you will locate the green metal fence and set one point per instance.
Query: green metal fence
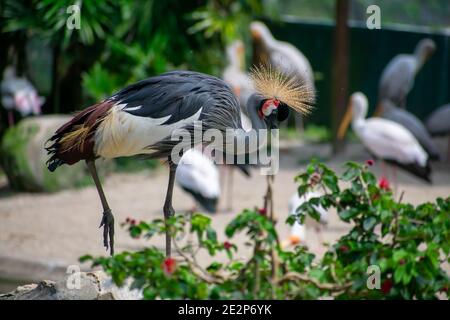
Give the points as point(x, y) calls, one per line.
point(370, 51)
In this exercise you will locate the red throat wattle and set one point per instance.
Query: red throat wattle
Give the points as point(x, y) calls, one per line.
point(266, 105)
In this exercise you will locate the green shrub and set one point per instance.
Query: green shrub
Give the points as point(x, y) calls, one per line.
point(409, 244)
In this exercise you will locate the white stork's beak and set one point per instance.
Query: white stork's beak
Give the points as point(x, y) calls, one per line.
point(345, 122)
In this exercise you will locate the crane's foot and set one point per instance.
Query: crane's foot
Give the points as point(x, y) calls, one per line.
point(108, 230)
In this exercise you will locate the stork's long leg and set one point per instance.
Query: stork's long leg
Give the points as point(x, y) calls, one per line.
point(168, 209)
point(384, 170)
point(394, 178)
point(108, 219)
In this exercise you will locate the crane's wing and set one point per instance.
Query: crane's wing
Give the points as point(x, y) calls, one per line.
point(177, 95)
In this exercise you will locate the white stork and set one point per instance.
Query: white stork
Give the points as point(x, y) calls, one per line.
point(198, 175)
point(283, 56)
point(19, 94)
point(385, 139)
point(298, 233)
point(235, 75)
point(141, 119)
point(398, 76)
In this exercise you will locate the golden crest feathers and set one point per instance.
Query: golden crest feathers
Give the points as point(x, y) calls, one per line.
point(273, 84)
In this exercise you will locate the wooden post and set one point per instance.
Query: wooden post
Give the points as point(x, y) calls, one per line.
point(340, 70)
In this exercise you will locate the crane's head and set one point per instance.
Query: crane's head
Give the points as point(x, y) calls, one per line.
point(273, 111)
point(278, 93)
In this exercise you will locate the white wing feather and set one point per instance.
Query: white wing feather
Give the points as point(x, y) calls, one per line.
point(389, 140)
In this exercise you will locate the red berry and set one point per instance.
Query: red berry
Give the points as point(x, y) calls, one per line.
point(262, 211)
point(370, 162)
point(402, 262)
point(227, 245)
point(386, 286)
point(384, 183)
point(444, 289)
point(344, 248)
point(169, 265)
point(133, 222)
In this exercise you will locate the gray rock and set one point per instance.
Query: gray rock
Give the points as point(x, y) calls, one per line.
point(23, 157)
point(77, 286)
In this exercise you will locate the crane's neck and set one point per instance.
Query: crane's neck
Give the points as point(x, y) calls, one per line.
point(246, 140)
point(253, 105)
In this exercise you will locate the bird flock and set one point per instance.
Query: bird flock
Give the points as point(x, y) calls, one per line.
point(140, 119)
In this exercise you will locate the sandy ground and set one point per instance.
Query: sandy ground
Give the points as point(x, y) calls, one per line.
point(40, 234)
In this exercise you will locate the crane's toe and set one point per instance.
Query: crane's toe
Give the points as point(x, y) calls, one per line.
point(108, 230)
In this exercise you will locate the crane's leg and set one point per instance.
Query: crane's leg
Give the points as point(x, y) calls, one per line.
point(108, 219)
point(168, 209)
point(223, 185)
point(230, 189)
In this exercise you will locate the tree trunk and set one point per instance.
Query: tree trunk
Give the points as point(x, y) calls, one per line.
point(340, 70)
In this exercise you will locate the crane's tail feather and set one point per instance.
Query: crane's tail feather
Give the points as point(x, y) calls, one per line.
point(74, 141)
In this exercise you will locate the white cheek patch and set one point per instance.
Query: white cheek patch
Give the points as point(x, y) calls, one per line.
point(267, 111)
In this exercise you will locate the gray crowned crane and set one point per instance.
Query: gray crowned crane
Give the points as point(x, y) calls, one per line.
point(398, 76)
point(198, 175)
point(282, 56)
point(438, 123)
point(413, 124)
point(19, 94)
point(385, 139)
point(141, 119)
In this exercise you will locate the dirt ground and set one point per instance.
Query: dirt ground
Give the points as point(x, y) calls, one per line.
point(40, 234)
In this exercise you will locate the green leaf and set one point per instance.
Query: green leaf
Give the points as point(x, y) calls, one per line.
point(369, 223)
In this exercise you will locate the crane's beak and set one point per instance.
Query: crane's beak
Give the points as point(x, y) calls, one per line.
point(345, 123)
point(272, 120)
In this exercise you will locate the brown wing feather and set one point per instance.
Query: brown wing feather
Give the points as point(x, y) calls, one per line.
point(74, 141)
